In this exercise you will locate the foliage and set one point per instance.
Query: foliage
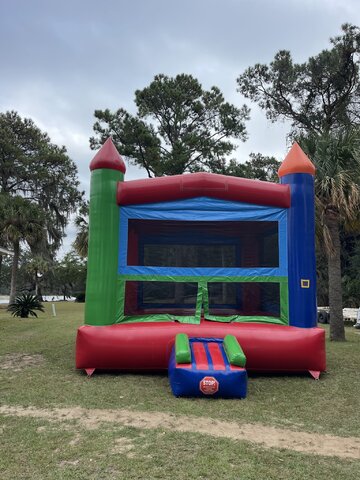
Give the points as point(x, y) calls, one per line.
point(321, 99)
point(24, 280)
point(25, 305)
point(38, 184)
point(81, 241)
point(336, 156)
point(22, 221)
point(337, 180)
point(5, 274)
point(322, 284)
point(33, 167)
point(317, 96)
point(65, 277)
point(258, 167)
point(37, 267)
point(80, 297)
point(351, 291)
point(179, 127)
point(70, 274)
point(351, 268)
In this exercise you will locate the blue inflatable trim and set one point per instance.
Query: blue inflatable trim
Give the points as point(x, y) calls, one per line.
point(202, 209)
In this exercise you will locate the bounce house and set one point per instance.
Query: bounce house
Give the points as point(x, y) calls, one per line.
point(206, 256)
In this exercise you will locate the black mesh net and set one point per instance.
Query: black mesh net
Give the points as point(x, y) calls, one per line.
point(224, 298)
point(246, 298)
point(166, 243)
point(151, 297)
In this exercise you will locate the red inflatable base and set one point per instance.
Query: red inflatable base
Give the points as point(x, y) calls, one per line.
point(147, 346)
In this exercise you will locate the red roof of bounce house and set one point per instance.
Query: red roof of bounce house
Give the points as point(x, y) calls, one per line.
point(223, 187)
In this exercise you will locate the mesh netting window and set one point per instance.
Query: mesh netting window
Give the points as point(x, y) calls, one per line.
point(167, 243)
point(245, 299)
point(151, 297)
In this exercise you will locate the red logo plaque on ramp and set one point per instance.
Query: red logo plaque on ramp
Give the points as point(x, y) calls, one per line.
point(209, 385)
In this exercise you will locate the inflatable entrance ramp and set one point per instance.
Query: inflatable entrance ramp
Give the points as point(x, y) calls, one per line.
point(207, 367)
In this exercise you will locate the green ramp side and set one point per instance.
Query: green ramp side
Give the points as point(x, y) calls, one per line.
point(182, 348)
point(234, 352)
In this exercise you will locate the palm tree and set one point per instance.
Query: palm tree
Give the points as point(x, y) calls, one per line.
point(81, 241)
point(37, 267)
point(337, 189)
point(25, 305)
point(22, 221)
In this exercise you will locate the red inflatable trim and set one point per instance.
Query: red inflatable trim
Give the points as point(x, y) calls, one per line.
point(179, 187)
point(147, 346)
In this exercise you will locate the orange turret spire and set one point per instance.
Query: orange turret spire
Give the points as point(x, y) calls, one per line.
point(296, 161)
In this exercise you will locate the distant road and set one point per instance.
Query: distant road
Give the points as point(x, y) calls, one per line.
point(4, 298)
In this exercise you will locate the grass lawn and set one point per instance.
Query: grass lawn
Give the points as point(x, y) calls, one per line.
point(41, 448)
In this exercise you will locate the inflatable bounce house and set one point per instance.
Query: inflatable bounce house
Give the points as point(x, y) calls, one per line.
point(224, 265)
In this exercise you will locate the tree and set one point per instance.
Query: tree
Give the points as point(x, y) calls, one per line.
point(317, 96)
point(23, 221)
point(33, 167)
point(5, 274)
point(337, 160)
point(321, 98)
point(81, 241)
point(178, 127)
point(258, 167)
point(350, 268)
point(42, 181)
point(37, 267)
point(70, 273)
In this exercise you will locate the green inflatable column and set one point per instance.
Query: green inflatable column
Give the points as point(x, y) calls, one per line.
point(107, 169)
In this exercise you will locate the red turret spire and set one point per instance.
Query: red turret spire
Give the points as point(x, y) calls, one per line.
point(108, 157)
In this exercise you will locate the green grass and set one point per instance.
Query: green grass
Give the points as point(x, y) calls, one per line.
point(330, 405)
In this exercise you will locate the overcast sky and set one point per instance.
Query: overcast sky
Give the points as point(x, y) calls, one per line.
point(61, 60)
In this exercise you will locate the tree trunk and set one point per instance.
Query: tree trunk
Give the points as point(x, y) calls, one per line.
point(337, 329)
point(36, 284)
point(38, 292)
point(14, 271)
point(39, 295)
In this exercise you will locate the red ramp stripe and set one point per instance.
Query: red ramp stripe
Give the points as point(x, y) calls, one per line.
point(183, 365)
point(201, 361)
point(235, 367)
point(216, 356)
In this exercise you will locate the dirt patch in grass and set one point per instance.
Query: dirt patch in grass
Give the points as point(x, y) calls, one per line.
point(256, 433)
point(67, 463)
point(123, 445)
point(75, 440)
point(18, 361)
point(130, 447)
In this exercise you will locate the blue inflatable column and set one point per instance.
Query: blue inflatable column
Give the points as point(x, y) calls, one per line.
point(298, 172)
